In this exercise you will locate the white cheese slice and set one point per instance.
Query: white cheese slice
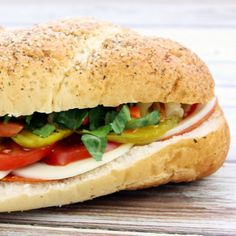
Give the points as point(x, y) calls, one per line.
point(44, 171)
point(198, 114)
point(4, 173)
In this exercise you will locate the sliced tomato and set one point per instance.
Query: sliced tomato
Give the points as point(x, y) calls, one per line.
point(13, 156)
point(135, 112)
point(10, 129)
point(70, 150)
point(189, 110)
point(62, 154)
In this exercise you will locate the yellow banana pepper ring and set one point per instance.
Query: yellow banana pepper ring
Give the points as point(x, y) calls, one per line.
point(29, 140)
point(146, 134)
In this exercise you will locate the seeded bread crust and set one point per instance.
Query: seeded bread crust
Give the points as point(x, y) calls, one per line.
point(81, 63)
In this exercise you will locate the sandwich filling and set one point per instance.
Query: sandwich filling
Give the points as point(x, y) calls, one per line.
point(64, 144)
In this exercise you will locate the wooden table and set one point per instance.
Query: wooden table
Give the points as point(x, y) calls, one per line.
point(205, 207)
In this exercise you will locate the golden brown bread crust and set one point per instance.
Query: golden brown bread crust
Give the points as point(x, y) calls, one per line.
point(181, 159)
point(81, 63)
point(189, 160)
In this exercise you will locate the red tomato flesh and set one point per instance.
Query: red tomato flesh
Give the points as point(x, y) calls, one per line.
point(135, 112)
point(13, 156)
point(70, 150)
point(10, 129)
point(190, 110)
point(64, 153)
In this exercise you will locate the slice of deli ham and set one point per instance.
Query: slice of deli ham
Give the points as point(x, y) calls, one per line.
point(201, 113)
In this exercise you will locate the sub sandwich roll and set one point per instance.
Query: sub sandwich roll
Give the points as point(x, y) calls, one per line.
point(89, 108)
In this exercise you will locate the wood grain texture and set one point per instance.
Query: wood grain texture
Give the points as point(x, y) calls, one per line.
point(29, 230)
point(206, 207)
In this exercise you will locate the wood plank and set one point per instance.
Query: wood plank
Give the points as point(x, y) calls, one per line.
point(127, 12)
point(207, 206)
point(29, 230)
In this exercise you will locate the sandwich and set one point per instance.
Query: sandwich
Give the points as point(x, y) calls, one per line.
point(89, 108)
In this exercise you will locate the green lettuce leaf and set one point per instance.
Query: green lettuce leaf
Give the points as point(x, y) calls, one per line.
point(28, 119)
point(44, 131)
point(36, 121)
point(95, 145)
point(102, 131)
point(110, 116)
point(6, 119)
point(96, 117)
point(121, 119)
point(96, 140)
point(152, 118)
point(71, 119)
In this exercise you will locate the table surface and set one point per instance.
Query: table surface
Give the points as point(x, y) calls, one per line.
point(206, 207)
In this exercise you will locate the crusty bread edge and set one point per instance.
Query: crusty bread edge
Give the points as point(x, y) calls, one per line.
point(82, 63)
point(181, 159)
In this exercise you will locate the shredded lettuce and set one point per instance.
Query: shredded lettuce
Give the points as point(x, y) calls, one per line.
point(121, 119)
point(95, 145)
point(35, 121)
point(6, 119)
point(110, 116)
point(152, 118)
point(28, 119)
point(102, 121)
point(45, 130)
point(96, 117)
point(96, 140)
point(71, 119)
